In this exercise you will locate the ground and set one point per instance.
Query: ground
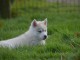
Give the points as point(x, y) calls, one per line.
point(63, 41)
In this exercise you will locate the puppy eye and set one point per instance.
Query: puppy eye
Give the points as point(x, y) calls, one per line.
point(40, 31)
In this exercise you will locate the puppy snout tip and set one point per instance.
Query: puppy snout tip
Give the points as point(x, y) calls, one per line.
point(45, 36)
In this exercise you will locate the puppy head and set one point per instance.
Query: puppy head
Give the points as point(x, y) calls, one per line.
point(40, 29)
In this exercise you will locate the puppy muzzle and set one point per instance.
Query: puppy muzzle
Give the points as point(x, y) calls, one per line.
point(45, 36)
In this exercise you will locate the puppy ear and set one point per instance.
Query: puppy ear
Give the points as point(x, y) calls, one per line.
point(34, 23)
point(45, 21)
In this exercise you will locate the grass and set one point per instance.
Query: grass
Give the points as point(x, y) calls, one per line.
point(63, 42)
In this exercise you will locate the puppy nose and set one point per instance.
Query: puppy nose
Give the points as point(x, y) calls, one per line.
point(45, 37)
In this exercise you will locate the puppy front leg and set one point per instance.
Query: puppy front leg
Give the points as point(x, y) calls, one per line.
point(42, 42)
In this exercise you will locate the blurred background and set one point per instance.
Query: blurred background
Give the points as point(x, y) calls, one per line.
point(12, 8)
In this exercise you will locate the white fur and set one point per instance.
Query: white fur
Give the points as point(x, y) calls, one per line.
point(31, 37)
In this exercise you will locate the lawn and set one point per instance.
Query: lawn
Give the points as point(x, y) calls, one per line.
point(63, 41)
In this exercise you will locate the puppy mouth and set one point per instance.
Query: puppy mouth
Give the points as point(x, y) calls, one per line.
point(44, 39)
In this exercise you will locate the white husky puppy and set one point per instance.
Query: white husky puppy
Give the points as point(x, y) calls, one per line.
point(36, 34)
